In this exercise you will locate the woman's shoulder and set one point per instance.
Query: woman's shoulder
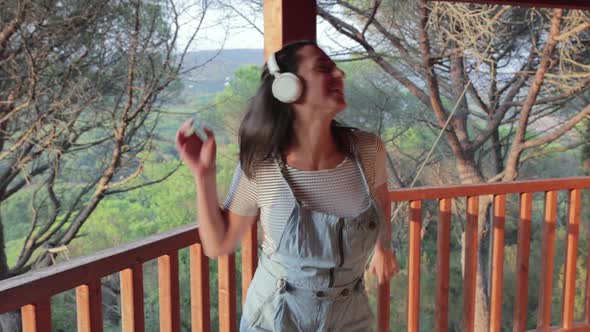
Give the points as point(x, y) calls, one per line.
point(366, 140)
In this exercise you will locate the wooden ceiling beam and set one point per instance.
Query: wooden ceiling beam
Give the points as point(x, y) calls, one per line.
point(569, 4)
point(287, 21)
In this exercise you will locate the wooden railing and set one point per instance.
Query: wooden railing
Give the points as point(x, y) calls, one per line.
point(32, 292)
point(498, 192)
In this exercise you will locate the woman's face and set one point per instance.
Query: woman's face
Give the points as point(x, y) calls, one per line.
point(323, 81)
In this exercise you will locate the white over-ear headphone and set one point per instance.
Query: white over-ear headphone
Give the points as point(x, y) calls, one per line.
point(286, 87)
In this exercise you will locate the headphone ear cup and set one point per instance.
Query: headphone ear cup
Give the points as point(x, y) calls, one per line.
point(286, 87)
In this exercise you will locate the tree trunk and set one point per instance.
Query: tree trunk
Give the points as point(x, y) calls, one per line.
point(470, 174)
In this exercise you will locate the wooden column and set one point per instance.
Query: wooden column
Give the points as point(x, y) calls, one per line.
point(287, 21)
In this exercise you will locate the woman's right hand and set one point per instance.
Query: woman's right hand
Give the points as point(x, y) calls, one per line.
point(197, 154)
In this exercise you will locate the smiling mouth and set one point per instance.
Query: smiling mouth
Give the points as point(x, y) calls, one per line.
point(337, 91)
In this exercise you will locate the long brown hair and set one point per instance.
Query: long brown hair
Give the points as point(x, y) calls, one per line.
point(267, 126)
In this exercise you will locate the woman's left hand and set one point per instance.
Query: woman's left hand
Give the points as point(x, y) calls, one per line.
point(383, 264)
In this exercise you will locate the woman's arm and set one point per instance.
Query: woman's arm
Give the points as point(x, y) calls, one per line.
point(384, 263)
point(220, 232)
point(384, 241)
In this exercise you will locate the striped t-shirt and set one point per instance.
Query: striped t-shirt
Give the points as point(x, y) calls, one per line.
point(340, 190)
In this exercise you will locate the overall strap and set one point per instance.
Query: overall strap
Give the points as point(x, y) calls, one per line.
point(283, 170)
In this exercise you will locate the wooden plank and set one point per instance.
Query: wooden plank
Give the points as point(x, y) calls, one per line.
point(548, 255)
point(415, 229)
point(169, 292)
point(471, 249)
point(443, 253)
point(571, 255)
point(38, 285)
point(227, 293)
point(587, 291)
point(299, 20)
point(577, 327)
point(89, 307)
point(497, 278)
point(132, 316)
point(249, 258)
point(439, 192)
point(273, 26)
point(200, 303)
point(572, 4)
point(37, 317)
point(383, 306)
point(522, 263)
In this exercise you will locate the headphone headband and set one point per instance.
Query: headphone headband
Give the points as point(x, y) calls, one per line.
point(273, 66)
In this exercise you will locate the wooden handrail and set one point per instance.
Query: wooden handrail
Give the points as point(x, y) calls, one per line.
point(568, 4)
point(40, 285)
point(515, 187)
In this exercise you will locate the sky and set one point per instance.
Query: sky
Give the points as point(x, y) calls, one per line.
point(228, 29)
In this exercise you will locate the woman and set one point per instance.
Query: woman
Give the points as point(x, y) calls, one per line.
point(318, 189)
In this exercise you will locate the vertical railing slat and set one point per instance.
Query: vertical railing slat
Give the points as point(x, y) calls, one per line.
point(522, 263)
point(414, 266)
point(89, 307)
point(571, 255)
point(169, 292)
point(200, 303)
point(36, 317)
point(548, 255)
point(132, 316)
point(227, 293)
point(383, 306)
point(471, 249)
point(443, 265)
point(497, 278)
point(249, 258)
point(587, 292)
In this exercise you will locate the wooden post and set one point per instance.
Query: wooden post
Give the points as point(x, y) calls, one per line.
point(571, 255)
point(89, 307)
point(36, 317)
point(286, 21)
point(132, 318)
point(471, 249)
point(169, 292)
point(548, 254)
point(249, 258)
point(226, 267)
point(443, 253)
point(200, 303)
point(521, 292)
point(414, 266)
point(497, 263)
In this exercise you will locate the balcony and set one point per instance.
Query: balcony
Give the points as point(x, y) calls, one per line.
point(32, 293)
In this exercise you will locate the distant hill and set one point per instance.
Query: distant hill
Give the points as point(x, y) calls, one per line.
point(214, 70)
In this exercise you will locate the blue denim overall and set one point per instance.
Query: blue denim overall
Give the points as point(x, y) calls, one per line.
point(313, 280)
